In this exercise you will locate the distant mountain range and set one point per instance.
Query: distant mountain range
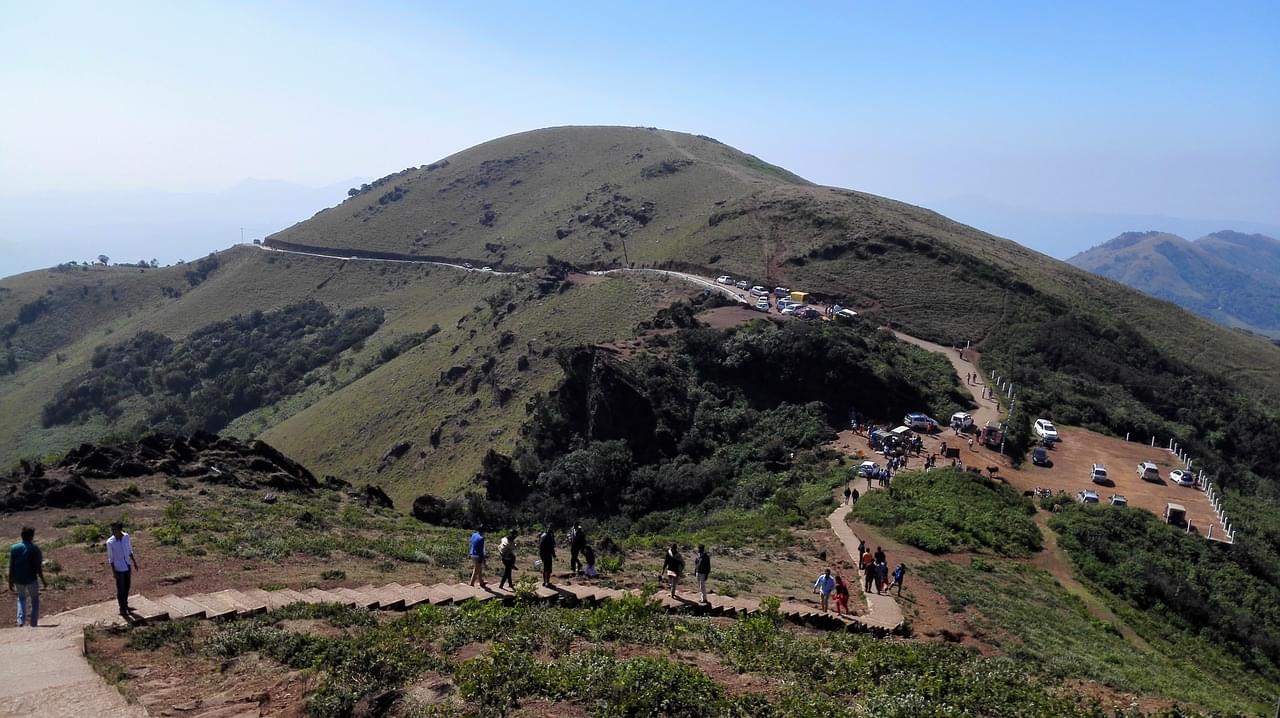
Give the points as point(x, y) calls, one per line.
point(45, 229)
point(1230, 277)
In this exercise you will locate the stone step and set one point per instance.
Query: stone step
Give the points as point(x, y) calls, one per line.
point(288, 597)
point(362, 600)
point(436, 596)
point(321, 596)
point(104, 613)
point(180, 607)
point(215, 606)
point(389, 596)
point(271, 599)
point(145, 610)
point(245, 606)
point(413, 594)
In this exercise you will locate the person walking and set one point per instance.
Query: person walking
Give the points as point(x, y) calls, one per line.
point(869, 571)
point(26, 573)
point(589, 555)
point(842, 596)
point(899, 573)
point(824, 586)
point(119, 557)
point(507, 554)
point(701, 570)
point(853, 497)
point(577, 542)
point(476, 552)
point(862, 548)
point(882, 575)
point(673, 567)
point(547, 554)
point(847, 493)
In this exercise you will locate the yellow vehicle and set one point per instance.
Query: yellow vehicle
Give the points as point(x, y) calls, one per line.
point(801, 297)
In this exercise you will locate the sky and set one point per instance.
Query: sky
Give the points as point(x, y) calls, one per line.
point(1111, 107)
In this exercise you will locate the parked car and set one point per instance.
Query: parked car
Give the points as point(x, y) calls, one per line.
point(1040, 457)
point(808, 313)
point(867, 468)
point(781, 292)
point(1098, 474)
point(486, 269)
point(1088, 496)
point(1182, 477)
point(921, 422)
point(741, 284)
point(467, 265)
point(1148, 471)
point(759, 292)
point(1175, 514)
point(1118, 500)
point(791, 308)
point(724, 279)
point(762, 306)
point(845, 315)
point(962, 420)
point(1046, 430)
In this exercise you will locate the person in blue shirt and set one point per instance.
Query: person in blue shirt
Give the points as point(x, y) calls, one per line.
point(824, 586)
point(26, 565)
point(476, 552)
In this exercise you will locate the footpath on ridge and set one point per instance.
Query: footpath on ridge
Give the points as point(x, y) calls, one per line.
point(883, 612)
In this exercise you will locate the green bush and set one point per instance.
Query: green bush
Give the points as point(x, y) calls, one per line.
point(947, 510)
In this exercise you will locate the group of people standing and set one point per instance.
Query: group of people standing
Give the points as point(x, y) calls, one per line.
point(875, 569)
point(26, 572)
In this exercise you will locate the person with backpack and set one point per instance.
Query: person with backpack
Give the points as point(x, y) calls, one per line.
point(507, 553)
point(577, 542)
point(26, 566)
point(842, 596)
point(701, 570)
point(673, 567)
point(475, 551)
point(547, 554)
point(899, 573)
point(824, 586)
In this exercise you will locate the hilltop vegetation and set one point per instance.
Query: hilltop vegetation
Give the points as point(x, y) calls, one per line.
point(712, 420)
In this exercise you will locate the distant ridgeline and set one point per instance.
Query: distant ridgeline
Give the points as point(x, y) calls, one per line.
point(216, 373)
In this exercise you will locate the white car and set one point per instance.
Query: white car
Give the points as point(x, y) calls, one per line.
point(1182, 477)
point(1098, 475)
point(791, 308)
point(759, 292)
point(762, 306)
point(486, 269)
point(1088, 496)
point(467, 265)
point(741, 284)
point(1118, 500)
point(868, 468)
point(1046, 430)
point(724, 279)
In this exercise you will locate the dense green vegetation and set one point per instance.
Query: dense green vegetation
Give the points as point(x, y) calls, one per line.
point(1034, 621)
point(1179, 582)
point(948, 510)
point(217, 372)
point(573, 656)
point(717, 420)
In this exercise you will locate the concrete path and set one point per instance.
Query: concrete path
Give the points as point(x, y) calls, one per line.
point(883, 612)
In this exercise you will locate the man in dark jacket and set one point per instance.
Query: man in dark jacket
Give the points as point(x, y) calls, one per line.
point(702, 569)
point(547, 554)
point(26, 566)
point(577, 542)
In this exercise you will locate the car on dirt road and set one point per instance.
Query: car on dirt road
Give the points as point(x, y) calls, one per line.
point(867, 468)
point(486, 269)
point(1118, 500)
point(759, 292)
point(1148, 471)
point(1040, 457)
point(724, 279)
point(808, 313)
point(741, 284)
point(762, 306)
point(1098, 475)
point(467, 265)
point(1088, 496)
point(781, 292)
point(790, 308)
point(921, 422)
point(1046, 430)
point(1182, 477)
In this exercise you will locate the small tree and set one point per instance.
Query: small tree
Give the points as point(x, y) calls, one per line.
point(103, 259)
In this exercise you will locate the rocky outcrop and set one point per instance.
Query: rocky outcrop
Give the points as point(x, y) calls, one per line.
point(201, 456)
point(24, 493)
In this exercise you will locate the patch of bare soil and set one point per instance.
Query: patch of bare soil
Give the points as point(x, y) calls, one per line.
point(168, 683)
point(725, 317)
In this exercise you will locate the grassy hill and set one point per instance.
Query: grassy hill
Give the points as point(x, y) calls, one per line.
point(1229, 277)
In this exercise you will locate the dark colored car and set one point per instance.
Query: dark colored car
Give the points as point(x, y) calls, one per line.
point(1040, 457)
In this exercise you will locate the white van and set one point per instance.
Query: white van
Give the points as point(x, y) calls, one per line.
point(1098, 474)
point(1148, 471)
point(962, 420)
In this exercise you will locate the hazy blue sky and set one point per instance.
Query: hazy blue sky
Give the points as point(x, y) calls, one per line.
point(1161, 107)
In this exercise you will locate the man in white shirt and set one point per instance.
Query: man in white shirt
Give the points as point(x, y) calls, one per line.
point(119, 556)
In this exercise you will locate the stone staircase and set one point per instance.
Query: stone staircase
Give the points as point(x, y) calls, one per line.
point(396, 597)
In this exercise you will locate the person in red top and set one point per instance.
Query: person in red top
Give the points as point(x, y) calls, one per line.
point(842, 596)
